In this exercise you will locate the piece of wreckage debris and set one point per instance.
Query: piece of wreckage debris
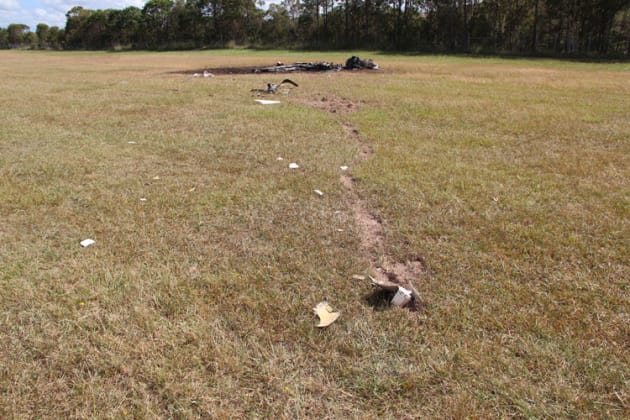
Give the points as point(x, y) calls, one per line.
point(355, 63)
point(403, 296)
point(205, 74)
point(273, 88)
point(325, 313)
point(267, 102)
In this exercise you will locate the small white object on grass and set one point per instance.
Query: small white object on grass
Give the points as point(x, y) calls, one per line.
point(293, 166)
point(279, 158)
point(156, 177)
point(343, 168)
point(143, 199)
point(318, 192)
point(131, 142)
point(402, 297)
point(87, 242)
point(266, 102)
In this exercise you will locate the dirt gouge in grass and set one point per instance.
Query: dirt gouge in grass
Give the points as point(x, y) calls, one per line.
point(325, 313)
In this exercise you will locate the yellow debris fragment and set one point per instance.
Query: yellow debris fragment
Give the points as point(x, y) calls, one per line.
point(325, 314)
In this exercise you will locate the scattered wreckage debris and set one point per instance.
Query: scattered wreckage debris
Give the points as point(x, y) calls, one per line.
point(385, 296)
point(205, 75)
point(397, 294)
point(325, 313)
point(321, 66)
point(273, 87)
point(353, 63)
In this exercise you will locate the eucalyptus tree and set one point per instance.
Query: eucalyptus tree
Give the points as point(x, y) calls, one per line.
point(17, 35)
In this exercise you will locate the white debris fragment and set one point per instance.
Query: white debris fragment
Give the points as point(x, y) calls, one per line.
point(318, 192)
point(402, 297)
point(343, 168)
point(131, 142)
point(87, 242)
point(293, 166)
point(143, 199)
point(156, 177)
point(206, 73)
point(266, 102)
point(279, 158)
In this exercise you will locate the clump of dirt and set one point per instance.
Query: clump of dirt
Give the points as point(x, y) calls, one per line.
point(402, 273)
point(331, 103)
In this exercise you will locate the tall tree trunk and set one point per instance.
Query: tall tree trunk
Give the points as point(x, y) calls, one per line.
point(346, 10)
point(535, 27)
point(366, 22)
point(496, 26)
point(466, 34)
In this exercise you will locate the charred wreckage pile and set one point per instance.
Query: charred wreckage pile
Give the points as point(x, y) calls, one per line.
point(352, 63)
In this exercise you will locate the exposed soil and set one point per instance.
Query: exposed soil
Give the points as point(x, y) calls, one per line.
point(372, 238)
point(330, 103)
point(365, 150)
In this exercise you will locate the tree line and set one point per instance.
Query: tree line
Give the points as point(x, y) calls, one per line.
point(537, 27)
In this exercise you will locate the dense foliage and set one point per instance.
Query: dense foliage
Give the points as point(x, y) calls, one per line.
point(565, 27)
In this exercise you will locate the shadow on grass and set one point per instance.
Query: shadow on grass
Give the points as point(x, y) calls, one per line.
point(380, 300)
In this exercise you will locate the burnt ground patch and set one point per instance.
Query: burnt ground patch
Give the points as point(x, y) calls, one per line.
point(281, 68)
point(221, 71)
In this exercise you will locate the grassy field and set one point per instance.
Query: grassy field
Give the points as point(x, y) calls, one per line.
point(506, 179)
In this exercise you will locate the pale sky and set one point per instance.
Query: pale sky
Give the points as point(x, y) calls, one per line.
point(52, 12)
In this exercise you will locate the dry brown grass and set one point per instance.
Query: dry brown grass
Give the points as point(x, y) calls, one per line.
point(508, 179)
